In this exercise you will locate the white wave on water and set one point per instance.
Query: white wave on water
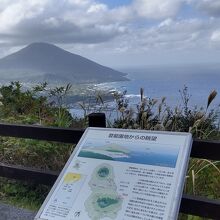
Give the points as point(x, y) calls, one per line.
point(132, 96)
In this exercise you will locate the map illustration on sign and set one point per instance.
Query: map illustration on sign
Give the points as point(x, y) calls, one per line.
point(116, 174)
point(67, 192)
point(155, 155)
point(104, 200)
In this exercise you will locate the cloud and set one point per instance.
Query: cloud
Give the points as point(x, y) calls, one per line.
point(75, 21)
point(210, 7)
point(215, 37)
point(147, 9)
point(89, 26)
point(17, 11)
point(170, 36)
point(57, 21)
point(156, 9)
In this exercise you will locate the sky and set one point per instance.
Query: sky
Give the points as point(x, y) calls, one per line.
point(116, 33)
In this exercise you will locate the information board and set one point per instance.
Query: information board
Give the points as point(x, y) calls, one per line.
point(121, 174)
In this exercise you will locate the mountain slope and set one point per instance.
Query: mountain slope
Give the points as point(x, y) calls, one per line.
point(43, 61)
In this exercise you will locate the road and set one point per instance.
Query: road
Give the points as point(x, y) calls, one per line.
point(8, 212)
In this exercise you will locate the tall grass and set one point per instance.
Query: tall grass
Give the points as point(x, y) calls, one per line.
point(154, 114)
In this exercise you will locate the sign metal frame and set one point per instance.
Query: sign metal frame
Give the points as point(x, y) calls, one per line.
point(182, 170)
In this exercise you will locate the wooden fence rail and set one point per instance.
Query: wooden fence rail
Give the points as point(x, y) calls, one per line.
point(193, 205)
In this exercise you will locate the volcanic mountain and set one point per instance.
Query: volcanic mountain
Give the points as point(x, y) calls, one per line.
point(46, 62)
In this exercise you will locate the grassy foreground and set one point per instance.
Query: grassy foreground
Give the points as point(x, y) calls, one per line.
point(46, 107)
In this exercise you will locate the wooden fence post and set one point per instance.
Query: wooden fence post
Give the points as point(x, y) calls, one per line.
point(97, 120)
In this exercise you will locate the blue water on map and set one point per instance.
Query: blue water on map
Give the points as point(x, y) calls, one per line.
point(150, 159)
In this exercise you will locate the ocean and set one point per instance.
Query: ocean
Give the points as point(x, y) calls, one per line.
point(167, 81)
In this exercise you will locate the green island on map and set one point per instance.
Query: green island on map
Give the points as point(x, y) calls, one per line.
point(104, 200)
